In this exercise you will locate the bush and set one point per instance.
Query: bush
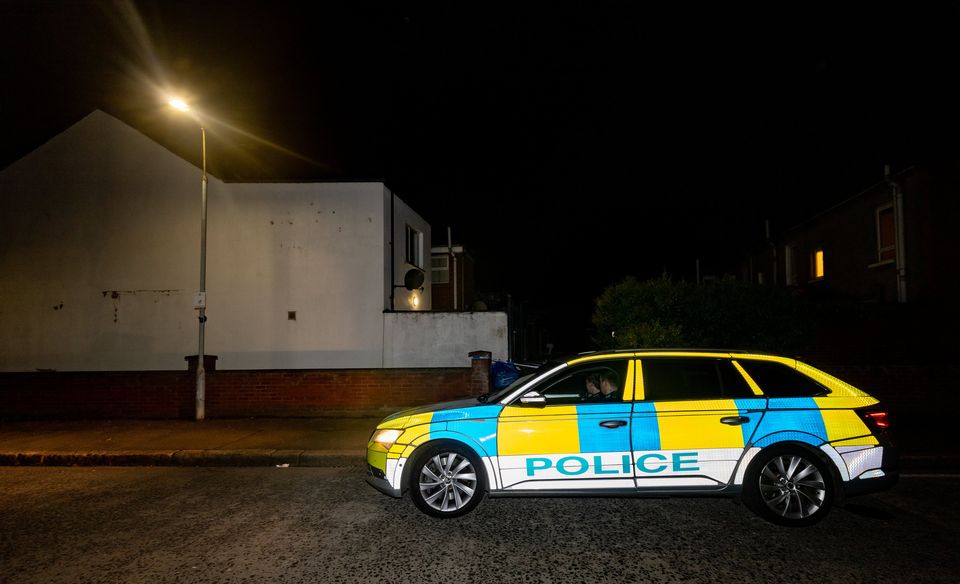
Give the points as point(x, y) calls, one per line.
point(723, 314)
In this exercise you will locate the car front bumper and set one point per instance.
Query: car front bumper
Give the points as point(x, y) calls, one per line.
point(380, 483)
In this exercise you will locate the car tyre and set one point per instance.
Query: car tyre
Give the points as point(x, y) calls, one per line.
point(447, 480)
point(789, 485)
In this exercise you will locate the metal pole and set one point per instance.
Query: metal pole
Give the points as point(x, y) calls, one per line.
point(393, 256)
point(452, 266)
point(201, 371)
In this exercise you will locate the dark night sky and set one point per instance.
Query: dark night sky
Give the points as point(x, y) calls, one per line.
point(567, 147)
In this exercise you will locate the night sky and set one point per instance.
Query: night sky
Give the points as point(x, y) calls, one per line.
point(566, 147)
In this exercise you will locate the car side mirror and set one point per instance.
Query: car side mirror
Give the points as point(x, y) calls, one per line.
point(533, 398)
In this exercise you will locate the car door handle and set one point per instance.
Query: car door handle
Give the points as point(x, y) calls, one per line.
point(613, 423)
point(734, 420)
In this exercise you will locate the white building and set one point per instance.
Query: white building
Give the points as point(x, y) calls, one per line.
point(99, 263)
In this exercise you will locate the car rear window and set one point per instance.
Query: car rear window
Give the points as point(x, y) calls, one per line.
point(779, 380)
point(672, 379)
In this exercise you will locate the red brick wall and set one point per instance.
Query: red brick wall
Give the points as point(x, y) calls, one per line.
point(170, 394)
point(315, 393)
point(909, 390)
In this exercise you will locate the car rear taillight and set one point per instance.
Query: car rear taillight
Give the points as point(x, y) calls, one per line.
point(877, 420)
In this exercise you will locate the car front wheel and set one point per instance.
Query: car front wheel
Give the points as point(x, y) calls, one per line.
point(788, 486)
point(446, 480)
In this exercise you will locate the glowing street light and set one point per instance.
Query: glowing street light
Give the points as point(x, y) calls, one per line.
point(179, 104)
point(201, 300)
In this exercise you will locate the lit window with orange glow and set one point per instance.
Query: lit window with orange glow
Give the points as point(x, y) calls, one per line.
point(817, 264)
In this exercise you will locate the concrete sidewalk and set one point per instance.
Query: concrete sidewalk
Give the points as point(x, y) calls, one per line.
point(231, 442)
point(268, 442)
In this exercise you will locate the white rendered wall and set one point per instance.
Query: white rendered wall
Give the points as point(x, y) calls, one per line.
point(312, 248)
point(99, 253)
point(442, 339)
point(99, 260)
point(403, 215)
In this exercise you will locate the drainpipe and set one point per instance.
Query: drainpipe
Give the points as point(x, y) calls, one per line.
point(773, 246)
point(510, 331)
point(901, 248)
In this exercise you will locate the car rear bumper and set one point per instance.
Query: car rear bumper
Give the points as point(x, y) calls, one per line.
point(876, 480)
point(875, 484)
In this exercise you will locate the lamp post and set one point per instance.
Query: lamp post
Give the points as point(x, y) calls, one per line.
point(201, 300)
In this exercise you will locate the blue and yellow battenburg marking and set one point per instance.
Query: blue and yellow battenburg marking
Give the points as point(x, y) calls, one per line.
point(474, 426)
point(662, 443)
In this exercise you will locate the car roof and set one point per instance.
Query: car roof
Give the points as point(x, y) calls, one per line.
point(666, 350)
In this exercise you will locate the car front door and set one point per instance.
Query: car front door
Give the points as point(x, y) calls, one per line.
point(572, 440)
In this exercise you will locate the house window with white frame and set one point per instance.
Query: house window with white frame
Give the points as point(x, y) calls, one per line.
point(414, 247)
point(886, 235)
point(440, 269)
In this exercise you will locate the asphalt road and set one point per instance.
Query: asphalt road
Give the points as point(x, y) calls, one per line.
point(62, 524)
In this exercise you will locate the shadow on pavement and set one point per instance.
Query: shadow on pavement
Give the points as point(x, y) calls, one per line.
point(868, 511)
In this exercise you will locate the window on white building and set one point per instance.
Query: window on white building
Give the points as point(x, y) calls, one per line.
point(414, 254)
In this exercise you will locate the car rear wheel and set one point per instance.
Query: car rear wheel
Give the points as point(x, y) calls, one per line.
point(446, 480)
point(789, 486)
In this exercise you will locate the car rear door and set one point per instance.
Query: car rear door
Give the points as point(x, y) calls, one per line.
point(692, 418)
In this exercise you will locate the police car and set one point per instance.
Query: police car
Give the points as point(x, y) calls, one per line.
point(785, 437)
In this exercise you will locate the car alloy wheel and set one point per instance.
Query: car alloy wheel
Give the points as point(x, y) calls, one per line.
point(447, 480)
point(789, 485)
point(792, 487)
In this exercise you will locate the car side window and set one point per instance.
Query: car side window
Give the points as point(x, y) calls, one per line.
point(674, 379)
point(779, 380)
point(595, 382)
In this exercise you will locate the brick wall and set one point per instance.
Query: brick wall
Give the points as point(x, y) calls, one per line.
point(322, 392)
point(915, 391)
point(294, 393)
point(150, 394)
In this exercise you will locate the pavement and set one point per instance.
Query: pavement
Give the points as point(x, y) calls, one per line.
point(306, 442)
point(216, 442)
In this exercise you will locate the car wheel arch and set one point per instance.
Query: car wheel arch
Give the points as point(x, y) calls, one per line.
point(787, 436)
point(829, 464)
point(445, 438)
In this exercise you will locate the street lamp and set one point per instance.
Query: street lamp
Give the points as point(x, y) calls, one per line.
point(201, 300)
